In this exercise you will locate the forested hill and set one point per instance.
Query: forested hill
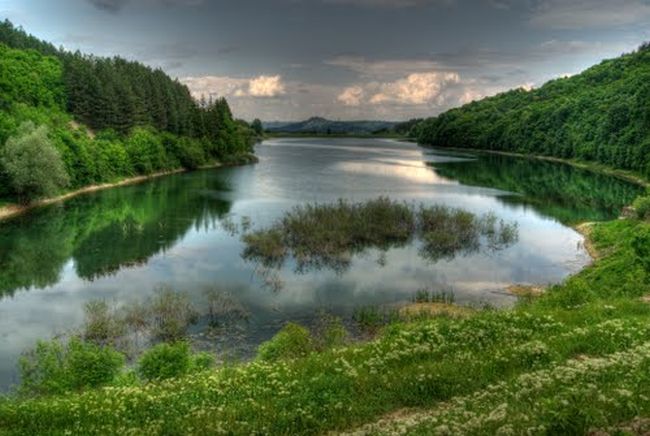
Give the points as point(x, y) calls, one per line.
point(322, 126)
point(601, 115)
point(106, 118)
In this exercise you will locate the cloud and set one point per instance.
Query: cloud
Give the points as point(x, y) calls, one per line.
point(351, 96)
point(266, 86)
point(207, 86)
point(224, 86)
point(579, 14)
point(415, 89)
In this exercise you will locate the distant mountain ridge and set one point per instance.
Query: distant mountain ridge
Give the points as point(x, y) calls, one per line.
point(319, 125)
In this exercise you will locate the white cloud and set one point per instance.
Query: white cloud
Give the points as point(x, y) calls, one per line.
point(577, 14)
point(224, 86)
point(207, 86)
point(415, 89)
point(266, 86)
point(351, 96)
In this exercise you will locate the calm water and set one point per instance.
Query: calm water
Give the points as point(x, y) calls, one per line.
point(177, 231)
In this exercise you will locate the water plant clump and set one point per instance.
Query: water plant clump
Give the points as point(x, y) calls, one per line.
point(426, 295)
point(328, 235)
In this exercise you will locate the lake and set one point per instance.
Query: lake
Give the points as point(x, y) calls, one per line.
point(184, 231)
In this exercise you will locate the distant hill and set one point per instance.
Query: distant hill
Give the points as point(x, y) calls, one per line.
point(318, 125)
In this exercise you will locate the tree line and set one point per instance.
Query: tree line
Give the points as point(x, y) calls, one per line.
point(601, 115)
point(106, 118)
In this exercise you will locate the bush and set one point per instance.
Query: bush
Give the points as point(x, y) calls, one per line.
point(290, 342)
point(32, 164)
point(165, 361)
point(202, 361)
point(642, 207)
point(54, 367)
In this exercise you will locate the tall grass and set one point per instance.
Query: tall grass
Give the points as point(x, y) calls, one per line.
point(328, 235)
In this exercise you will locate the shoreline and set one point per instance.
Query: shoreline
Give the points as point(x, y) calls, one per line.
point(13, 210)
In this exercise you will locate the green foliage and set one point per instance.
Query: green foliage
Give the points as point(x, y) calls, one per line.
point(329, 332)
point(142, 121)
point(257, 127)
point(32, 165)
point(642, 207)
point(641, 247)
point(54, 367)
point(599, 115)
point(165, 361)
point(30, 78)
point(291, 342)
point(202, 361)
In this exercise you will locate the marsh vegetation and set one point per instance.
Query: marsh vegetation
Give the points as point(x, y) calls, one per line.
point(329, 235)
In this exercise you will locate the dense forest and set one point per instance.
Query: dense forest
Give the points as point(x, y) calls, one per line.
point(601, 115)
point(105, 117)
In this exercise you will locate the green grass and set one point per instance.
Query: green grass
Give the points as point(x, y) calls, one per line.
point(539, 364)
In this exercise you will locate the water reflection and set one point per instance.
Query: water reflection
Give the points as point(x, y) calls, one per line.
point(567, 193)
point(105, 232)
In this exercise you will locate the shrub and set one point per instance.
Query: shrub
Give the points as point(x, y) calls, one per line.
point(202, 361)
point(32, 164)
point(642, 207)
point(54, 367)
point(165, 361)
point(292, 341)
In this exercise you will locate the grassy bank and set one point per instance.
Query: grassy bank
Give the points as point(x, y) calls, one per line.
point(588, 335)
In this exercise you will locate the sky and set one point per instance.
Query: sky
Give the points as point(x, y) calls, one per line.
point(284, 60)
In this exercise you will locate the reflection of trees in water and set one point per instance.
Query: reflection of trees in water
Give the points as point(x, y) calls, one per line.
point(106, 231)
point(317, 237)
point(561, 191)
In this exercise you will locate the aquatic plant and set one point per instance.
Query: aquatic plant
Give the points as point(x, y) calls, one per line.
point(328, 235)
point(426, 295)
